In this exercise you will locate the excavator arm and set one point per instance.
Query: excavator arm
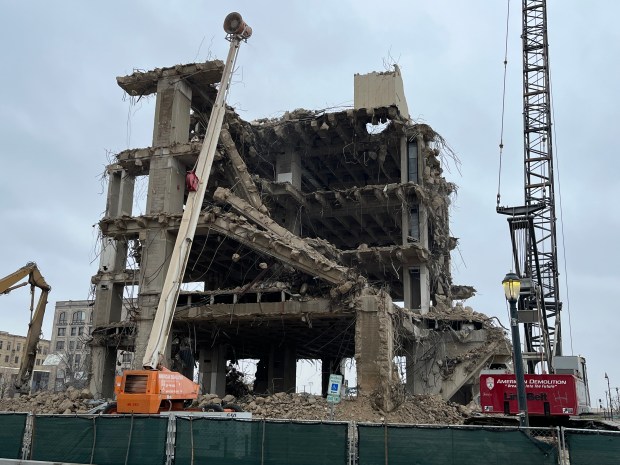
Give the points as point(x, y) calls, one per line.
point(35, 279)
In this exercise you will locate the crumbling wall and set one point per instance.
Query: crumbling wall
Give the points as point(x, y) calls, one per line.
point(450, 349)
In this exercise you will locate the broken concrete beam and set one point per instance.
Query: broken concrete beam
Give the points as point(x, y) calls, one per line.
point(246, 186)
point(304, 259)
point(145, 82)
point(266, 310)
point(288, 240)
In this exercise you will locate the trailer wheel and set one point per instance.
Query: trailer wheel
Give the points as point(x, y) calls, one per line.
point(233, 407)
point(212, 408)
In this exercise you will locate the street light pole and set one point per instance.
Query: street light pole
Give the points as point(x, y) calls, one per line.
point(512, 287)
point(611, 405)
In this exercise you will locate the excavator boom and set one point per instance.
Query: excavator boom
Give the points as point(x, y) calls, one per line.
point(35, 279)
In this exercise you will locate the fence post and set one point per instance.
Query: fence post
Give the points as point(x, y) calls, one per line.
point(564, 458)
point(262, 447)
point(27, 440)
point(385, 443)
point(171, 438)
point(352, 442)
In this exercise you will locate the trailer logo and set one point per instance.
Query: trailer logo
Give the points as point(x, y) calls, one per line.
point(490, 383)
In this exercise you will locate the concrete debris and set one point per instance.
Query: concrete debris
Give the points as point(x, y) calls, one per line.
point(413, 410)
point(70, 401)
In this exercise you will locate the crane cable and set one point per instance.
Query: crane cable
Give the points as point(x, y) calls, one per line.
point(501, 137)
point(559, 196)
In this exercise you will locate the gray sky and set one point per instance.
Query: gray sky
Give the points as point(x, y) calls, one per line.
point(62, 115)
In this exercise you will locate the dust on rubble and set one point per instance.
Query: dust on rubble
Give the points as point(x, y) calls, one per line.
point(414, 410)
point(70, 401)
point(423, 409)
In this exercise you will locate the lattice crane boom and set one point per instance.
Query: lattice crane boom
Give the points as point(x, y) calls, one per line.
point(536, 220)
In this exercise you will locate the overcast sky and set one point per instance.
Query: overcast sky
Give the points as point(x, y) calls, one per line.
point(62, 115)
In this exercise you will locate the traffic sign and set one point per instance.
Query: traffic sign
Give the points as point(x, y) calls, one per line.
point(334, 387)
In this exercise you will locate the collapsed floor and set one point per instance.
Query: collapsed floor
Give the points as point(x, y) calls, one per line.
point(312, 225)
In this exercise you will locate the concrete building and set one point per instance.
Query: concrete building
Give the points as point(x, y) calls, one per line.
point(313, 225)
point(70, 333)
point(71, 342)
point(12, 353)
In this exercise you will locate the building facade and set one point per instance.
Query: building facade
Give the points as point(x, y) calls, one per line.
point(12, 353)
point(70, 335)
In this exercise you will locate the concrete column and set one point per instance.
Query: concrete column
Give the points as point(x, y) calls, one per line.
point(408, 349)
point(374, 348)
point(166, 185)
point(109, 294)
point(405, 219)
point(165, 195)
point(288, 169)
point(156, 252)
point(262, 376)
point(425, 290)
point(103, 371)
point(425, 286)
point(282, 369)
point(212, 365)
point(172, 111)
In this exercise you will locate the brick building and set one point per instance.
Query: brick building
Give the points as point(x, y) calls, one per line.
point(12, 352)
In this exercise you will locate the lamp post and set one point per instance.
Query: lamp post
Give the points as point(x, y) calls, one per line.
point(611, 407)
point(512, 287)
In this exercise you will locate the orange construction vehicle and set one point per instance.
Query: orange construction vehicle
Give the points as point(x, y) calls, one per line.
point(156, 389)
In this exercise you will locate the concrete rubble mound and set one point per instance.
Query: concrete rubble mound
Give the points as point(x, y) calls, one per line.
point(419, 409)
point(70, 401)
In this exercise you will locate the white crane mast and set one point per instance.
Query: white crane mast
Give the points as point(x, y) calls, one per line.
point(237, 31)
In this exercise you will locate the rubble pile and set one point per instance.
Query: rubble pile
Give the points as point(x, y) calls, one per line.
point(414, 409)
point(70, 401)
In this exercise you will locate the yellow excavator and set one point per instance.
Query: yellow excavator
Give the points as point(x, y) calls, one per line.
point(35, 279)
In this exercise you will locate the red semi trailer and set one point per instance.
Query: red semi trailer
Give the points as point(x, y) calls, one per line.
point(558, 395)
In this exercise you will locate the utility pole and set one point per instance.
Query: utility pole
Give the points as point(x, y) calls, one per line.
point(512, 288)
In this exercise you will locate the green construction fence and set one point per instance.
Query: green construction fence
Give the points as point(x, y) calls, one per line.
point(12, 427)
point(245, 442)
point(427, 445)
point(103, 440)
point(587, 447)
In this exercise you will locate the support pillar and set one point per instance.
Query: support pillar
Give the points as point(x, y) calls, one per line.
point(108, 293)
point(213, 370)
point(409, 347)
point(172, 111)
point(262, 376)
point(288, 169)
point(166, 192)
point(415, 277)
point(374, 349)
point(282, 369)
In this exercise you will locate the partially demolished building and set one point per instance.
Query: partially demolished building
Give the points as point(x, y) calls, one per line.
point(313, 225)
